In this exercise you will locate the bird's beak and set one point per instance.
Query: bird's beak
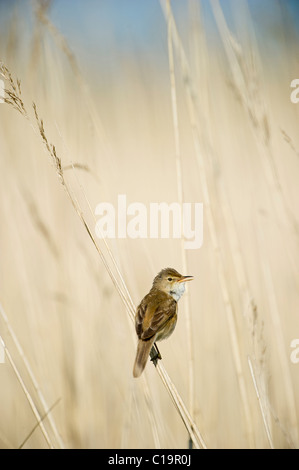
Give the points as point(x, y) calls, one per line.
point(186, 278)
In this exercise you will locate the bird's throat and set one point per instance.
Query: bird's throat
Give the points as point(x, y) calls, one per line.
point(178, 291)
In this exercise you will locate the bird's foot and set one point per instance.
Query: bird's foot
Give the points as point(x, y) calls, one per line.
point(155, 354)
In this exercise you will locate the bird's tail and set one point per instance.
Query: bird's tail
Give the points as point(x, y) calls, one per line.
point(143, 350)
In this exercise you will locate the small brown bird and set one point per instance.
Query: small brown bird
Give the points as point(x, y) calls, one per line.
point(156, 315)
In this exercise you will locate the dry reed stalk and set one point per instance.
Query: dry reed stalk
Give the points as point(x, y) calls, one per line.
point(255, 107)
point(75, 203)
point(190, 425)
point(60, 40)
point(111, 256)
point(32, 378)
point(261, 404)
point(256, 361)
point(28, 397)
point(197, 134)
point(280, 342)
point(281, 427)
point(38, 423)
point(151, 414)
point(179, 172)
point(243, 78)
point(41, 14)
point(51, 150)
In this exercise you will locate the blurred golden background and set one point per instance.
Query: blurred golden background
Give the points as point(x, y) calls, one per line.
point(100, 77)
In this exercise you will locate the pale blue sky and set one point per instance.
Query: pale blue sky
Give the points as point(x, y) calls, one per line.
point(98, 28)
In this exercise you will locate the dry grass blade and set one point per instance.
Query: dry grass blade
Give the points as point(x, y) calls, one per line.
point(32, 378)
point(255, 107)
point(41, 13)
point(197, 132)
point(178, 159)
point(191, 426)
point(38, 423)
point(151, 415)
point(280, 342)
point(263, 412)
point(29, 399)
point(245, 78)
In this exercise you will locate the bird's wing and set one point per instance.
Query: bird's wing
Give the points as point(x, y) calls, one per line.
point(151, 317)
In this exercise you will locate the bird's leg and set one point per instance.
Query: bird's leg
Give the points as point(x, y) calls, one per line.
point(158, 352)
point(155, 354)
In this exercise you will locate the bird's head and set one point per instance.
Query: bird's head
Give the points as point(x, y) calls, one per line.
point(170, 281)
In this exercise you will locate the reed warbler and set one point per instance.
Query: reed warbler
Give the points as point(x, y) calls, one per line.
point(156, 315)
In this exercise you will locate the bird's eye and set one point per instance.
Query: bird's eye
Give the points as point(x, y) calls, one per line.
point(169, 279)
